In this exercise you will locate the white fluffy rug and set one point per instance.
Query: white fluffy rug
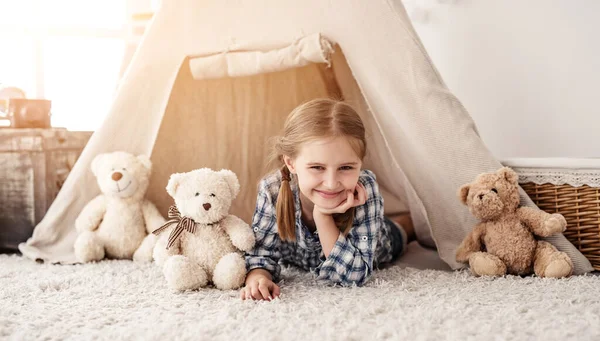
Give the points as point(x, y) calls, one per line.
point(121, 300)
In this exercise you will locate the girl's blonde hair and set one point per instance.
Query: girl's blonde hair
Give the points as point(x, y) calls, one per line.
point(318, 118)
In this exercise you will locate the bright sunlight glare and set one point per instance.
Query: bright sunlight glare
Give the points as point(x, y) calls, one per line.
point(68, 51)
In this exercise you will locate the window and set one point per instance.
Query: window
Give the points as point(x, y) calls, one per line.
point(81, 96)
point(17, 60)
point(68, 51)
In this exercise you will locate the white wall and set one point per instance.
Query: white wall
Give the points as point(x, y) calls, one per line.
point(527, 71)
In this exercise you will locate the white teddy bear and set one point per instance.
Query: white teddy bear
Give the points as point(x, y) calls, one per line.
point(206, 243)
point(118, 223)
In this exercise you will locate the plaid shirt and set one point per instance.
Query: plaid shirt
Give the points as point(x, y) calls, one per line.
point(353, 256)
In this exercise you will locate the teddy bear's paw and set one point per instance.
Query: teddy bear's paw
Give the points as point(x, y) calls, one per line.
point(558, 269)
point(83, 224)
point(87, 248)
point(556, 223)
point(485, 264)
point(143, 255)
point(230, 272)
point(243, 240)
point(160, 253)
point(181, 274)
point(144, 251)
point(560, 266)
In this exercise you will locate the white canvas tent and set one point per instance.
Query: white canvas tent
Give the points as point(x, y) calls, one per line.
point(212, 80)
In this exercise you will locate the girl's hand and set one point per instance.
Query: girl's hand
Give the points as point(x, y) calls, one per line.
point(355, 198)
point(259, 287)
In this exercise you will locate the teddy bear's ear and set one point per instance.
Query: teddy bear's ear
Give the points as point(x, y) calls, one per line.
point(232, 181)
point(96, 162)
point(508, 174)
point(463, 193)
point(173, 184)
point(145, 161)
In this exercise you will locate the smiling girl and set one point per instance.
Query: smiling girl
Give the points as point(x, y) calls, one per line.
point(320, 210)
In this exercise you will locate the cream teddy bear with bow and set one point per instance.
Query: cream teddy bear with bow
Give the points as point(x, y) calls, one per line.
point(204, 242)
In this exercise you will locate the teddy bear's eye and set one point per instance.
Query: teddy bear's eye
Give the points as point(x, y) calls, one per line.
point(212, 195)
point(495, 190)
point(197, 194)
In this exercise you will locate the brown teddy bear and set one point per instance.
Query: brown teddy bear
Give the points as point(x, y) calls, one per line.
point(504, 242)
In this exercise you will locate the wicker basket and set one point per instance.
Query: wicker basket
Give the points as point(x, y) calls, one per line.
point(571, 188)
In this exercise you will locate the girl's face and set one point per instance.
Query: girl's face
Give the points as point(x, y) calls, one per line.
point(326, 170)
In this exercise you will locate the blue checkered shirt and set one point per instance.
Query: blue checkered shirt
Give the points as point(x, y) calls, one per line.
point(353, 256)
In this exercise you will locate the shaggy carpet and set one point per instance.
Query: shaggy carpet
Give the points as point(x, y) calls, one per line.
point(415, 299)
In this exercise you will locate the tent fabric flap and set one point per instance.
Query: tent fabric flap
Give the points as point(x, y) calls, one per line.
point(310, 49)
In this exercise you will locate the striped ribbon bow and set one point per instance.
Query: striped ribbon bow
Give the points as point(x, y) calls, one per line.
point(183, 223)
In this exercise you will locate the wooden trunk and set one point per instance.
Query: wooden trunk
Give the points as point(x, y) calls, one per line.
point(34, 164)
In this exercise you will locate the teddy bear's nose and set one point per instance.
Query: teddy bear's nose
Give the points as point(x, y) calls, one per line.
point(117, 176)
point(206, 206)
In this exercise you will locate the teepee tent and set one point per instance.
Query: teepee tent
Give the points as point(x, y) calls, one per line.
point(213, 80)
